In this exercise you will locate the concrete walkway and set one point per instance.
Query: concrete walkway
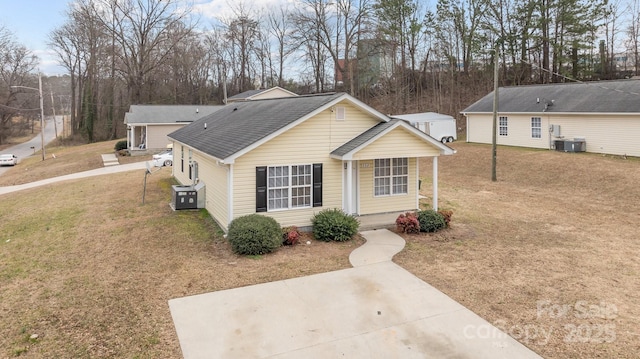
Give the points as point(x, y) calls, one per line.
point(374, 310)
point(91, 173)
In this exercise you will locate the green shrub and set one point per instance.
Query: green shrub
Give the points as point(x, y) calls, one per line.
point(254, 234)
point(334, 224)
point(431, 221)
point(121, 145)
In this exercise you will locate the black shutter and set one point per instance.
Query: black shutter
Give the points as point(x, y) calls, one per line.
point(261, 189)
point(317, 184)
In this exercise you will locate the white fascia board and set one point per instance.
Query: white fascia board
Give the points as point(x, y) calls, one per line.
point(444, 150)
point(382, 117)
point(218, 160)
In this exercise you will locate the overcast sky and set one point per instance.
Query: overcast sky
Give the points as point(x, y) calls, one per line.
point(31, 21)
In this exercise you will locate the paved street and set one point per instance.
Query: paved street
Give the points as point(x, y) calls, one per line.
point(24, 150)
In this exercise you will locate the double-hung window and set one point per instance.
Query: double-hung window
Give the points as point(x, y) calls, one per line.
point(503, 126)
point(289, 187)
point(390, 176)
point(536, 127)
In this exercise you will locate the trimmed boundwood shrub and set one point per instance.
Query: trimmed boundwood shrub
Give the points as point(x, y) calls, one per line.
point(121, 145)
point(254, 234)
point(334, 224)
point(431, 221)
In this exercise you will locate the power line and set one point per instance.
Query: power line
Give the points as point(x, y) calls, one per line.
point(594, 83)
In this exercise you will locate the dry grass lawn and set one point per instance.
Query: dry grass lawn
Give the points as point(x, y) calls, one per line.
point(552, 247)
point(549, 252)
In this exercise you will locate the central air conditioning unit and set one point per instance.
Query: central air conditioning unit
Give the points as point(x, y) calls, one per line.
point(187, 197)
point(575, 145)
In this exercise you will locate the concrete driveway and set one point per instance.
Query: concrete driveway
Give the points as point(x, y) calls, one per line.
point(374, 310)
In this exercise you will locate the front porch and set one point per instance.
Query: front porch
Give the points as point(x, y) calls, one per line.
point(377, 221)
point(383, 220)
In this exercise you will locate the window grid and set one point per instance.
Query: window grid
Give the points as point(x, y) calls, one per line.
point(301, 186)
point(278, 187)
point(289, 187)
point(503, 126)
point(536, 127)
point(391, 176)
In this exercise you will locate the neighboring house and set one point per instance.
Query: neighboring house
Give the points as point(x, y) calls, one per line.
point(148, 125)
point(604, 114)
point(262, 94)
point(292, 157)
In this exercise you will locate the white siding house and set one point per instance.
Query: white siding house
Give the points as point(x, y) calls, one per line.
point(604, 114)
point(149, 125)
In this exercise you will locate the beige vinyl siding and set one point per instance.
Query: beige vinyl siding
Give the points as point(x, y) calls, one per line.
point(397, 143)
point(274, 93)
point(609, 134)
point(370, 204)
point(615, 135)
point(157, 135)
point(310, 142)
point(181, 177)
point(215, 178)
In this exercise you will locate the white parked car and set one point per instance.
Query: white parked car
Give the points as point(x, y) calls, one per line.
point(8, 160)
point(163, 158)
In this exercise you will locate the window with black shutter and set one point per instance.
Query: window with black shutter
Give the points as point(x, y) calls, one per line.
point(261, 189)
point(317, 184)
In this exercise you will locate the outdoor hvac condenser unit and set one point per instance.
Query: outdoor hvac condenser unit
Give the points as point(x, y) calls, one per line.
point(575, 145)
point(187, 197)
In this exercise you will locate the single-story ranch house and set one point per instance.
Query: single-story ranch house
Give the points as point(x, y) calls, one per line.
point(289, 158)
point(604, 115)
point(148, 125)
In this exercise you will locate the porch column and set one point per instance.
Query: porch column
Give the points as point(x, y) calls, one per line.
point(349, 188)
point(435, 183)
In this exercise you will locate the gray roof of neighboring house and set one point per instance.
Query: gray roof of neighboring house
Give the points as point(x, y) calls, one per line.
point(246, 94)
point(618, 96)
point(241, 124)
point(167, 114)
point(364, 137)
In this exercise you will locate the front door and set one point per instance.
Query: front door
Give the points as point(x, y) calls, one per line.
point(350, 191)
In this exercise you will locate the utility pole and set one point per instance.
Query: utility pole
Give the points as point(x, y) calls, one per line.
point(53, 108)
point(41, 113)
point(494, 177)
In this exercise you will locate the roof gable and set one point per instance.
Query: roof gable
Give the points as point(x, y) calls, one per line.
point(619, 96)
point(242, 126)
point(347, 150)
point(260, 94)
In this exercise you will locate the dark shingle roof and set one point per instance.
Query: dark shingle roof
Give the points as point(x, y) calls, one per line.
point(246, 94)
point(364, 137)
point(167, 113)
point(241, 124)
point(619, 96)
